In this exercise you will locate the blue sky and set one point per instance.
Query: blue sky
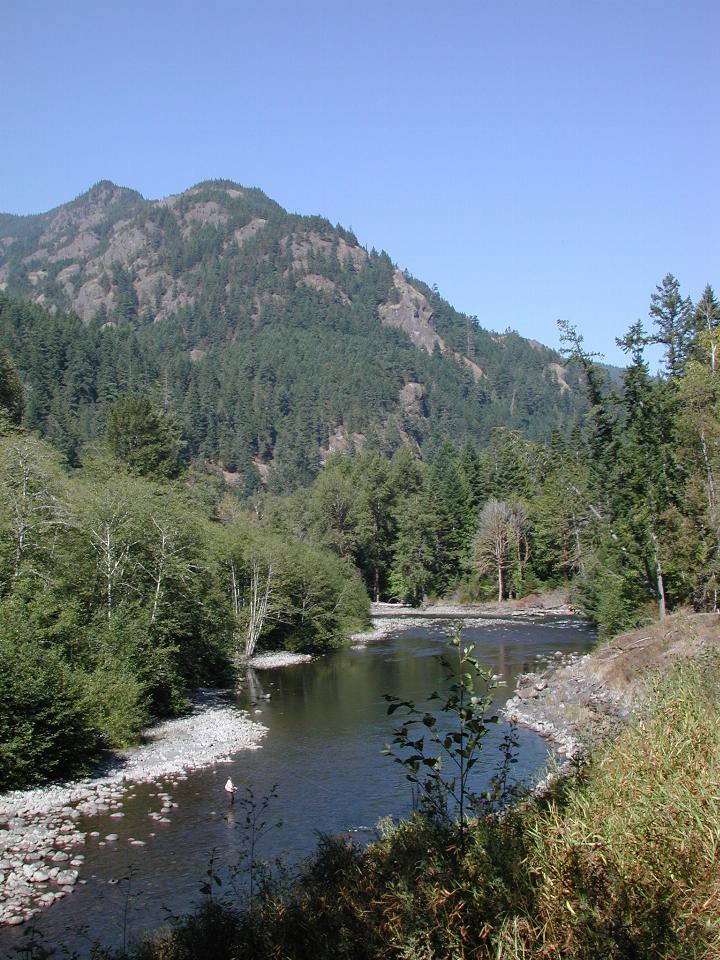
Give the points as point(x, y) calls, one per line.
point(535, 158)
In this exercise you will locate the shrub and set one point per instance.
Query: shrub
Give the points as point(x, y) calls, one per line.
point(46, 730)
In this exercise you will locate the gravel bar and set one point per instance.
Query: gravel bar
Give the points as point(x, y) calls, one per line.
point(39, 828)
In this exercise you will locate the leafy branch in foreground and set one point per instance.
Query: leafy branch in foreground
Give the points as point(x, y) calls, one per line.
point(427, 746)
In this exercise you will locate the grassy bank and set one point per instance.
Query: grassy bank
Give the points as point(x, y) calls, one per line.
point(621, 862)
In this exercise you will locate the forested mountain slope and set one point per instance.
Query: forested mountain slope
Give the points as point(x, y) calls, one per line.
point(273, 337)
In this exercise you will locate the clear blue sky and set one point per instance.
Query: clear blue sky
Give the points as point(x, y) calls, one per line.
point(534, 158)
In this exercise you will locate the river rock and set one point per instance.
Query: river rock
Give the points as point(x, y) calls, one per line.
point(38, 827)
point(111, 836)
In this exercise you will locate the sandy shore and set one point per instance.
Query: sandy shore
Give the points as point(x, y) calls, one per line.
point(39, 833)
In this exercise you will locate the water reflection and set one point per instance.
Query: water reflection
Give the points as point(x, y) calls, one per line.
point(327, 725)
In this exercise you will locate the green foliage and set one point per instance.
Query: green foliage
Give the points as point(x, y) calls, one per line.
point(259, 330)
point(146, 441)
point(12, 400)
point(115, 702)
point(46, 728)
point(427, 742)
point(121, 586)
point(620, 862)
point(673, 319)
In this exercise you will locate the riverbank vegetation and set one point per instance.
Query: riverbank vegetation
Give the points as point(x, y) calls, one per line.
point(625, 510)
point(127, 576)
point(125, 584)
point(618, 862)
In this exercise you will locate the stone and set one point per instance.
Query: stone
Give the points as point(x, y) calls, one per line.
point(66, 878)
point(111, 836)
point(60, 856)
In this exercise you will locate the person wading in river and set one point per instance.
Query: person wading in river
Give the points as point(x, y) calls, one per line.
point(230, 790)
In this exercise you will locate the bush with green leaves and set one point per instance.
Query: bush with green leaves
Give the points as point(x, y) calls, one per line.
point(439, 751)
point(47, 730)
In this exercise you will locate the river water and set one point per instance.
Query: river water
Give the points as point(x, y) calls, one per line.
point(327, 724)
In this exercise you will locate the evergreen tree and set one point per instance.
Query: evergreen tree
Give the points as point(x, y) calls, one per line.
point(672, 317)
point(706, 322)
point(144, 439)
point(12, 400)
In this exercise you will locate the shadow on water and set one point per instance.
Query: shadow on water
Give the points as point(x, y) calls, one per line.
point(327, 723)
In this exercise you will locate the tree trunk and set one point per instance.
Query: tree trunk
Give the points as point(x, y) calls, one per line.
point(259, 600)
point(709, 472)
point(662, 610)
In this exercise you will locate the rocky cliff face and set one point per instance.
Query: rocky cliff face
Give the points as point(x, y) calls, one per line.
point(295, 306)
point(111, 253)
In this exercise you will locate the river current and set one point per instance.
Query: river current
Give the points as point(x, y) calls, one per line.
point(322, 756)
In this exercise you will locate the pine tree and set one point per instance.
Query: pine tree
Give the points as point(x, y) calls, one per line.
point(144, 439)
point(12, 400)
point(673, 320)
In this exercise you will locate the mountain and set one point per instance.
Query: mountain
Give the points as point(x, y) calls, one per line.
point(274, 338)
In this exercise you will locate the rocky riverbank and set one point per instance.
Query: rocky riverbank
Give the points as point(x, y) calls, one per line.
point(40, 837)
point(277, 659)
point(579, 702)
point(551, 603)
point(388, 618)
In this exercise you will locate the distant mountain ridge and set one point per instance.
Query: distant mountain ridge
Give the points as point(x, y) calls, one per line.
point(274, 337)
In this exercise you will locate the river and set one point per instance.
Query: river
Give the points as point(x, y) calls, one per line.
point(327, 725)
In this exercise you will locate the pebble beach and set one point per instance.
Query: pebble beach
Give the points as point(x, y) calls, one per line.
point(41, 841)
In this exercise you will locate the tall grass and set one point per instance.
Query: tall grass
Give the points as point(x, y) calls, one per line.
point(621, 862)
